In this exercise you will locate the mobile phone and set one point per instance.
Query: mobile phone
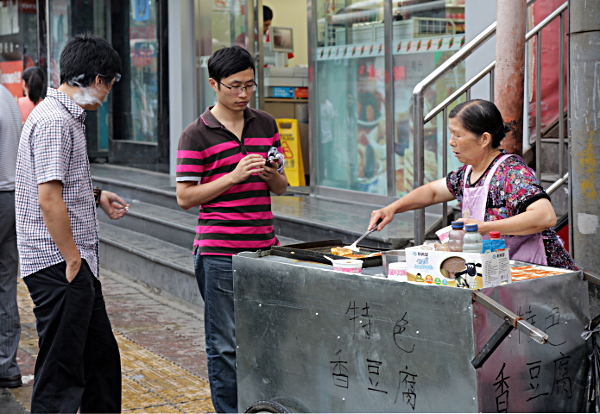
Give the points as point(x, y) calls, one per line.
point(269, 161)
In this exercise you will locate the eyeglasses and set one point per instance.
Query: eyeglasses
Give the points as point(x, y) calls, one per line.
point(240, 89)
point(117, 76)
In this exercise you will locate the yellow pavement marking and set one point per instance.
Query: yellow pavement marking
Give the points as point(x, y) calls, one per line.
point(154, 385)
point(151, 384)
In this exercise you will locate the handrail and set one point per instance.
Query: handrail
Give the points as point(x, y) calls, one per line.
point(459, 92)
point(420, 119)
point(455, 59)
point(556, 185)
point(418, 104)
point(538, 28)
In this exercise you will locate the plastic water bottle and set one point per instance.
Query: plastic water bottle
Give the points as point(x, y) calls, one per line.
point(472, 242)
point(487, 246)
point(455, 237)
point(497, 242)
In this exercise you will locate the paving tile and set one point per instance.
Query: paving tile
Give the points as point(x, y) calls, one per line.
point(161, 344)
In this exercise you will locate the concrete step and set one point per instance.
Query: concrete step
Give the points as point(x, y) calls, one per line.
point(550, 155)
point(137, 185)
point(298, 215)
point(171, 225)
point(165, 266)
point(162, 264)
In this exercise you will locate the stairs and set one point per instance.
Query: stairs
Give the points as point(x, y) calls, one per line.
point(550, 155)
point(152, 243)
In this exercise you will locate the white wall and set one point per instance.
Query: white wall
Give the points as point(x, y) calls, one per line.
point(292, 13)
point(182, 85)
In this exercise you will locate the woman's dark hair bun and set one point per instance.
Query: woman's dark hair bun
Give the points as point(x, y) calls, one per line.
point(479, 116)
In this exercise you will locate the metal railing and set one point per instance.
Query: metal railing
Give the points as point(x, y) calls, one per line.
point(420, 119)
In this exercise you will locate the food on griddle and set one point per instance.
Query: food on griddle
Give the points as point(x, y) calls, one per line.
point(341, 251)
point(350, 254)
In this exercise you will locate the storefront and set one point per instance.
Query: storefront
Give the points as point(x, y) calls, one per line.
point(130, 127)
point(364, 58)
point(368, 56)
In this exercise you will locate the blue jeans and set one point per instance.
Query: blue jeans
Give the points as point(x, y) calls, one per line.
point(214, 275)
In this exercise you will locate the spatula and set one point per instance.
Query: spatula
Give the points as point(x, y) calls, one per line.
point(353, 246)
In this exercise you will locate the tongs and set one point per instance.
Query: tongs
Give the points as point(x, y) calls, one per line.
point(353, 246)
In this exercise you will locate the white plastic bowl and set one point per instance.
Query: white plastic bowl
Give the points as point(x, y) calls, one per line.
point(348, 265)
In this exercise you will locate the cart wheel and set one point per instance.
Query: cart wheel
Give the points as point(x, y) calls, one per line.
point(267, 407)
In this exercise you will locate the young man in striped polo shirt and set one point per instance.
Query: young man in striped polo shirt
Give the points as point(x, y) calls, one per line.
point(222, 167)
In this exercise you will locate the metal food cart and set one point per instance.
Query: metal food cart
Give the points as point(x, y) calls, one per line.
point(310, 339)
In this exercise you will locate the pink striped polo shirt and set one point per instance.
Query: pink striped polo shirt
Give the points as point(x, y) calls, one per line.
point(241, 218)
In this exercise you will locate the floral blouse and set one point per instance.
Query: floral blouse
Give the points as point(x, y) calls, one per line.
point(512, 190)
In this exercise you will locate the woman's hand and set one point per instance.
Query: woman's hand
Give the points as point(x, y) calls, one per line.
point(385, 214)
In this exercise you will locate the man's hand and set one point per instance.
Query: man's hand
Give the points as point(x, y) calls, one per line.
point(268, 172)
point(73, 269)
point(250, 164)
point(113, 205)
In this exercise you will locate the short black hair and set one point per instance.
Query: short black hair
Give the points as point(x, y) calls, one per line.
point(86, 56)
point(478, 116)
point(267, 13)
point(229, 60)
point(35, 79)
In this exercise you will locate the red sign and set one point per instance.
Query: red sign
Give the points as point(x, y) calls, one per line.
point(10, 76)
point(28, 6)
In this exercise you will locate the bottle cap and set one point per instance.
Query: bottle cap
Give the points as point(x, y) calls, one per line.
point(457, 224)
point(472, 227)
point(494, 234)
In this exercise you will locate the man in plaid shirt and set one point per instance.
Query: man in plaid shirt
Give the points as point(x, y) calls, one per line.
point(78, 365)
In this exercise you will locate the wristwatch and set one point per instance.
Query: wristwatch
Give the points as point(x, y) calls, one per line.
point(97, 195)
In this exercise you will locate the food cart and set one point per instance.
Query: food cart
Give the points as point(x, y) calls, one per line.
point(310, 339)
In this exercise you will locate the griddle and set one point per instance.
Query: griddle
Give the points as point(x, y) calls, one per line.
point(316, 251)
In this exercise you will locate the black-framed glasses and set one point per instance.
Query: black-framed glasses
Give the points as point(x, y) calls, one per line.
point(240, 89)
point(117, 76)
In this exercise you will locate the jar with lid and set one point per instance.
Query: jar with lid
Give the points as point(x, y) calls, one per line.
point(455, 237)
point(472, 242)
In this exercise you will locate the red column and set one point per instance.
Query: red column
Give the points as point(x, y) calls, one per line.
point(510, 69)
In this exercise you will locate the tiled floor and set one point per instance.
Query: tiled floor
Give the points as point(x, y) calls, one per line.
point(161, 343)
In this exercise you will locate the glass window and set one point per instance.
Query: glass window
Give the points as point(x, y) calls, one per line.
point(59, 34)
point(351, 139)
point(13, 29)
point(139, 49)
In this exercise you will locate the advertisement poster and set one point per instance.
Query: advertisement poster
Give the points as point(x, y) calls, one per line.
point(371, 136)
point(142, 10)
point(10, 77)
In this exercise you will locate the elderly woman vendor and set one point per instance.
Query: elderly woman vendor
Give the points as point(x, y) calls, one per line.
point(498, 191)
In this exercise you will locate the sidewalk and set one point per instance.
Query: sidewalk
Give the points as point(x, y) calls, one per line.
point(162, 350)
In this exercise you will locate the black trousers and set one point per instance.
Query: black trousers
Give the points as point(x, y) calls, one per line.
point(78, 366)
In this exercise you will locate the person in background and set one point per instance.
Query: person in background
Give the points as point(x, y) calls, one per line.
point(78, 365)
point(222, 167)
point(10, 327)
point(240, 40)
point(497, 191)
point(34, 86)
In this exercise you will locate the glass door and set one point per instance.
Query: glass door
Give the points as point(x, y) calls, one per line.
point(224, 23)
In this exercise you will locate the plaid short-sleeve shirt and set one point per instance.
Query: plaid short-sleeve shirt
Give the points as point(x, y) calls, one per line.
point(53, 147)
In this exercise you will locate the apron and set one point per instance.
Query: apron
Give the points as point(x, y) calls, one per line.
point(528, 248)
